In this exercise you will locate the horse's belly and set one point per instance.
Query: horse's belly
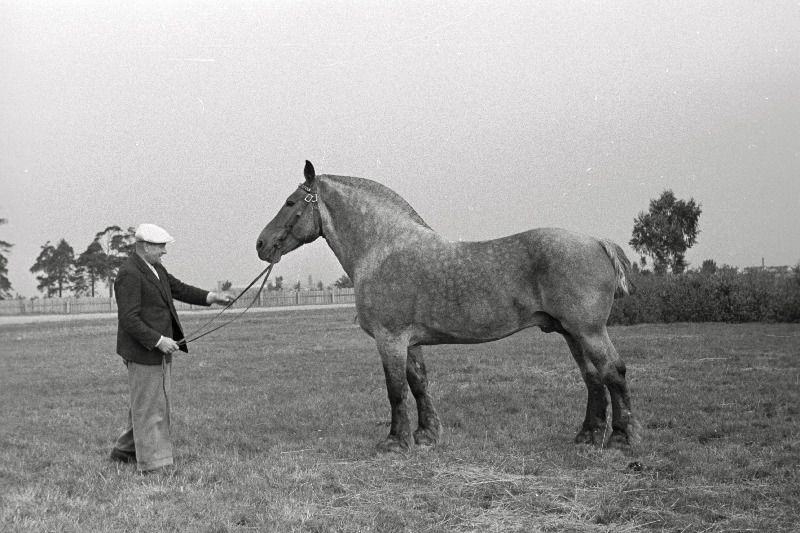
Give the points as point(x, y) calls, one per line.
point(472, 321)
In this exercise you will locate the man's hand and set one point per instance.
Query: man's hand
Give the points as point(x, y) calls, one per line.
point(222, 298)
point(167, 345)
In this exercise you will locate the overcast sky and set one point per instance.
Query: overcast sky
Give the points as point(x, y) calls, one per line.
point(490, 118)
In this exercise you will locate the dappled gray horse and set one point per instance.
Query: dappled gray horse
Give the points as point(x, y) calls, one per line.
point(415, 288)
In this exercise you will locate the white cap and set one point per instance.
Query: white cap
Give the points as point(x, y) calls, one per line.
point(152, 233)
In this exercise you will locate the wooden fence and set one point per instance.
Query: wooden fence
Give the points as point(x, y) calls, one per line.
point(72, 305)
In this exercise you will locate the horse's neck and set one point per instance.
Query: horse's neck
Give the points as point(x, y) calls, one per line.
point(361, 219)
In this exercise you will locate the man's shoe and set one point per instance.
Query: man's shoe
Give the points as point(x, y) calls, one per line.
point(122, 456)
point(162, 471)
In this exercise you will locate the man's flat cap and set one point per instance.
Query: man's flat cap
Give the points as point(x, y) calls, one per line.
point(152, 233)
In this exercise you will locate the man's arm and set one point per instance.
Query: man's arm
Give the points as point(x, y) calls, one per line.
point(195, 296)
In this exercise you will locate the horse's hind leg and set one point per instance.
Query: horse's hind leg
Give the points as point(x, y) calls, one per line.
point(427, 434)
point(594, 424)
point(611, 369)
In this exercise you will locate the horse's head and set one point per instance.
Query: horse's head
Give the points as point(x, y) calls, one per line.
point(297, 223)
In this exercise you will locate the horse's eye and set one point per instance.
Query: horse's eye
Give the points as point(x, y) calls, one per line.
point(290, 203)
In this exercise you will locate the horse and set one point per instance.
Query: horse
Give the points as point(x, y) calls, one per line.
point(414, 288)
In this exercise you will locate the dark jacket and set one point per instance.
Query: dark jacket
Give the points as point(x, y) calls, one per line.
point(146, 311)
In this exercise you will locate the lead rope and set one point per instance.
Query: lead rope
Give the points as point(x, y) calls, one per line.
point(186, 339)
point(311, 198)
point(165, 367)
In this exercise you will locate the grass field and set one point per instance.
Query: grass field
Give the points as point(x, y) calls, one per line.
point(276, 418)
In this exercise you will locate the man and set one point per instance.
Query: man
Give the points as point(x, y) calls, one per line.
point(149, 331)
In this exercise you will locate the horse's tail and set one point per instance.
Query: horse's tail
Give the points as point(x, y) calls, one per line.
point(622, 268)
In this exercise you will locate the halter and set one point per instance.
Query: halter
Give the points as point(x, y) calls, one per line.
point(309, 199)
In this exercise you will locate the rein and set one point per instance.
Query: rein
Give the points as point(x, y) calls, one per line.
point(310, 199)
point(186, 339)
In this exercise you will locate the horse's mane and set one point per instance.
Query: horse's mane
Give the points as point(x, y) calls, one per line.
point(381, 193)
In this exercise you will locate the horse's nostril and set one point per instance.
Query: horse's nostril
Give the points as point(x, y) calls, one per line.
point(259, 244)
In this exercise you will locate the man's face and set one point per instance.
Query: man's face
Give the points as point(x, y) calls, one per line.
point(153, 252)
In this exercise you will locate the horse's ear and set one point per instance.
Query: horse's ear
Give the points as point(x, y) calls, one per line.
point(309, 171)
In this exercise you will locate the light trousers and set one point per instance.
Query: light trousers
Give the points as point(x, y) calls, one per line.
point(148, 428)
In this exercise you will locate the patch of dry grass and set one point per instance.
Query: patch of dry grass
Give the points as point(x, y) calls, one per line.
point(276, 418)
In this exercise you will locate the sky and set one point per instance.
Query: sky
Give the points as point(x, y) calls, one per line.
point(489, 118)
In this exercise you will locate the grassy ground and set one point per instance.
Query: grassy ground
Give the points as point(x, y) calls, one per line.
point(276, 418)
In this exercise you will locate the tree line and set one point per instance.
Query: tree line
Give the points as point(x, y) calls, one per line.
point(661, 236)
point(59, 270)
point(344, 282)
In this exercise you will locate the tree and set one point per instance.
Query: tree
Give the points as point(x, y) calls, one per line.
point(343, 283)
point(278, 284)
point(91, 264)
point(709, 267)
point(5, 284)
point(56, 263)
point(117, 246)
point(78, 282)
point(45, 281)
point(666, 232)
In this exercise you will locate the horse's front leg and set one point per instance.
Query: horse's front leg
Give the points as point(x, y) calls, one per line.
point(393, 352)
point(427, 434)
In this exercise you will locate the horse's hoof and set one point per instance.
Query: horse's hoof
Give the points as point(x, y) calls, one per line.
point(634, 432)
point(618, 441)
point(392, 445)
point(426, 437)
point(590, 437)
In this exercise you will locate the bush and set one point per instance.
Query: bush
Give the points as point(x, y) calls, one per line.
point(723, 296)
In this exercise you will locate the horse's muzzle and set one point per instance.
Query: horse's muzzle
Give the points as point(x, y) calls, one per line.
point(271, 254)
point(262, 250)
